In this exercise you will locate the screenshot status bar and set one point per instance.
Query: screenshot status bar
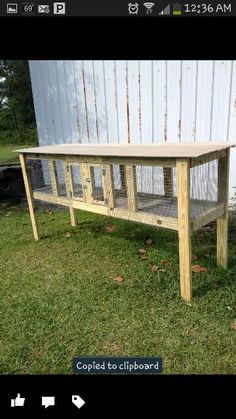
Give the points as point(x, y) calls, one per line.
point(132, 9)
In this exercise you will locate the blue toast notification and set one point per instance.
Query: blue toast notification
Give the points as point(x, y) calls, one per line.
point(117, 365)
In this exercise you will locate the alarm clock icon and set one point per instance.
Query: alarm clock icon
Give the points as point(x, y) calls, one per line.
point(133, 8)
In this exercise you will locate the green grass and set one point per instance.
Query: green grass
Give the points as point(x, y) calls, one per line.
point(7, 155)
point(59, 299)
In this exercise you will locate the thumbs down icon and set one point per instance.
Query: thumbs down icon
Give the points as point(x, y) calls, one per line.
point(18, 401)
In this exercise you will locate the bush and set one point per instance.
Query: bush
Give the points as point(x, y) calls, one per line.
point(23, 136)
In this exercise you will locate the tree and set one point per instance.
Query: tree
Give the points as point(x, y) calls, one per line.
point(16, 101)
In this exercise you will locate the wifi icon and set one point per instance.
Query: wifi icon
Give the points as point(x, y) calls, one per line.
point(149, 7)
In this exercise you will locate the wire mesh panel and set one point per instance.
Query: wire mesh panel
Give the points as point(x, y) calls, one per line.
point(96, 176)
point(120, 186)
point(47, 176)
point(39, 175)
point(156, 190)
point(77, 183)
point(203, 187)
point(57, 169)
point(139, 189)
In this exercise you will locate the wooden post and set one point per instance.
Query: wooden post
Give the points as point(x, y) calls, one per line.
point(184, 227)
point(108, 182)
point(92, 182)
point(168, 181)
point(69, 189)
point(29, 195)
point(53, 175)
point(222, 221)
point(86, 181)
point(131, 188)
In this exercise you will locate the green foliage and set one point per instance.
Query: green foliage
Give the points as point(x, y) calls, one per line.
point(27, 135)
point(17, 120)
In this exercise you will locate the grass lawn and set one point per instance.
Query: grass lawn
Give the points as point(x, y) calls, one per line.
point(7, 154)
point(59, 298)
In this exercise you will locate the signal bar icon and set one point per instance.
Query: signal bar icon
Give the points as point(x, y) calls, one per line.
point(165, 11)
point(149, 7)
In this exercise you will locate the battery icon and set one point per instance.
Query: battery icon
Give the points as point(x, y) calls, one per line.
point(176, 9)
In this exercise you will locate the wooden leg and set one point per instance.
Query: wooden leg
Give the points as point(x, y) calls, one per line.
point(73, 219)
point(29, 195)
point(185, 250)
point(222, 222)
point(222, 241)
point(69, 189)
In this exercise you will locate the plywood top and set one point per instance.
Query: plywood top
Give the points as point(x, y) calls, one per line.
point(170, 150)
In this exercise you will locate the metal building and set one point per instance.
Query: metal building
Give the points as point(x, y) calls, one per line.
point(136, 102)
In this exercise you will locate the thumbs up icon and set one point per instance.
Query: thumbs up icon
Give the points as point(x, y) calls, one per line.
point(18, 401)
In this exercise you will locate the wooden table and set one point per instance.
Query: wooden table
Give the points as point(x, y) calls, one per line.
point(178, 213)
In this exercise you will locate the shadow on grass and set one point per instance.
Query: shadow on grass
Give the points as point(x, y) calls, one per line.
point(165, 246)
point(204, 289)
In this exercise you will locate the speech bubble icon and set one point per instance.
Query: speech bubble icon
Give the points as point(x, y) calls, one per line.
point(48, 401)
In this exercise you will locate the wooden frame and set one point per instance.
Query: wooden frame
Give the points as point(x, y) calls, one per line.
point(130, 174)
point(93, 184)
point(222, 221)
point(53, 175)
point(108, 183)
point(184, 224)
point(69, 188)
point(76, 165)
point(29, 195)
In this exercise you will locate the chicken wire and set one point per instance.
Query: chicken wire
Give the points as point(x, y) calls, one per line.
point(154, 188)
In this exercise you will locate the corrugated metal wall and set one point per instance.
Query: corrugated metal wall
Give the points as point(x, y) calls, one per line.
point(135, 102)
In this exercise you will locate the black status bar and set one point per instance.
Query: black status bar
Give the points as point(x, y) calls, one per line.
point(131, 9)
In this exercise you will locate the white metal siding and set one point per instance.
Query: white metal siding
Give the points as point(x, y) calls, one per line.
point(135, 102)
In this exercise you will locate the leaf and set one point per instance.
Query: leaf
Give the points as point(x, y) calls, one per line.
point(143, 257)
point(233, 326)
point(166, 262)
point(194, 257)
point(229, 308)
point(110, 228)
point(8, 213)
point(67, 234)
point(161, 270)
point(154, 268)
point(148, 242)
point(142, 251)
point(118, 279)
point(198, 268)
point(208, 228)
